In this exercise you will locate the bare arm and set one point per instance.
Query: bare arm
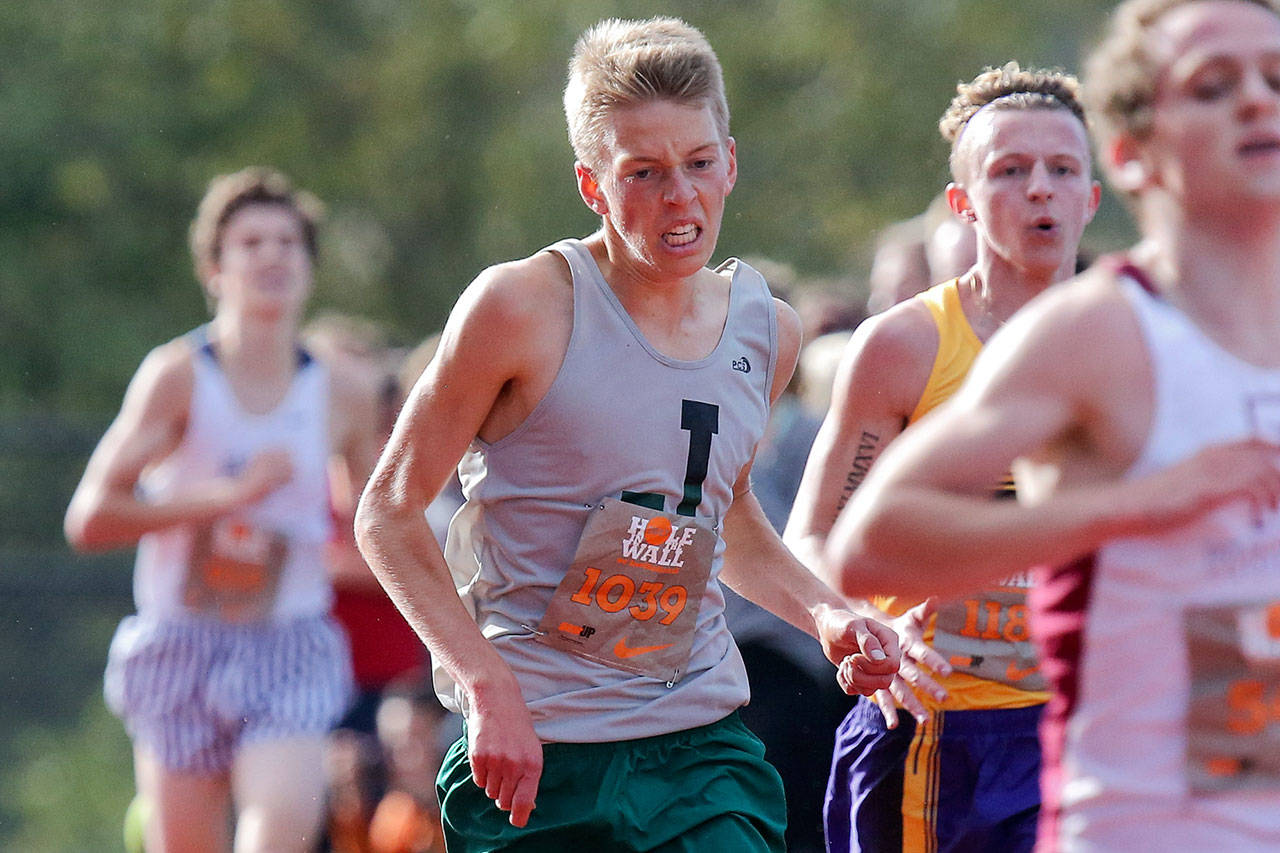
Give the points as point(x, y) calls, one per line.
point(106, 511)
point(760, 568)
point(494, 335)
point(882, 376)
point(1048, 383)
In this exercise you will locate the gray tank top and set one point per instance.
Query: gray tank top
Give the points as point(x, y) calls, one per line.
point(621, 420)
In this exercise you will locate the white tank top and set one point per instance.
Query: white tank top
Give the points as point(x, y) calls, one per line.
point(619, 417)
point(220, 438)
point(1164, 733)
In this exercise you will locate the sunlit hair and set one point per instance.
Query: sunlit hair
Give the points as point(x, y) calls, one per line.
point(1009, 87)
point(621, 63)
point(1121, 73)
point(228, 194)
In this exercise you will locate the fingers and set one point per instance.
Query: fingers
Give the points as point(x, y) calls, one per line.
point(911, 681)
point(907, 698)
point(512, 783)
point(921, 654)
point(879, 642)
point(859, 675)
point(888, 708)
point(522, 802)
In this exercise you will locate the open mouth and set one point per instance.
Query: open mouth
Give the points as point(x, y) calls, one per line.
point(1045, 225)
point(682, 236)
point(1261, 145)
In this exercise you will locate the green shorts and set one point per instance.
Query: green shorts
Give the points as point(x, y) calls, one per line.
point(701, 789)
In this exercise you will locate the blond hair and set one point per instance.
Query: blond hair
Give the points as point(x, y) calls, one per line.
point(1009, 87)
point(620, 63)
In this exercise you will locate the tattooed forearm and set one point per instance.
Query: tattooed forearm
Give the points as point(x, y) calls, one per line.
point(867, 446)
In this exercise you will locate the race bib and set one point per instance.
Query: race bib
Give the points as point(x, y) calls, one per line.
point(1233, 717)
point(235, 571)
point(988, 636)
point(631, 596)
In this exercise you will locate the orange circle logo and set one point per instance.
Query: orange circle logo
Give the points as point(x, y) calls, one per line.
point(657, 531)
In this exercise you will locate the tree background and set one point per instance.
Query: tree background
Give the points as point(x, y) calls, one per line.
point(433, 130)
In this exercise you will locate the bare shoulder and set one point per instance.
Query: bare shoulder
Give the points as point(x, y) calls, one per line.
point(504, 343)
point(523, 292)
point(904, 335)
point(889, 358)
point(354, 391)
point(790, 339)
point(163, 382)
point(1076, 333)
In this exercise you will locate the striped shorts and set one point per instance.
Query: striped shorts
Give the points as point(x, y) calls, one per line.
point(193, 691)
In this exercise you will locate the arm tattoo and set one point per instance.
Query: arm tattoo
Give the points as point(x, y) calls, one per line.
point(867, 446)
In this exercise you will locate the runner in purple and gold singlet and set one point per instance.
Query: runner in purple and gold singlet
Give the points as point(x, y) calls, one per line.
point(961, 772)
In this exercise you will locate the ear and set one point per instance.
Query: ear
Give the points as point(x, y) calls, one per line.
point(589, 189)
point(1125, 164)
point(958, 201)
point(1095, 198)
point(732, 152)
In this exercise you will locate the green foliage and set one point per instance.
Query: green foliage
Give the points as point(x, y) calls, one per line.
point(70, 785)
point(434, 132)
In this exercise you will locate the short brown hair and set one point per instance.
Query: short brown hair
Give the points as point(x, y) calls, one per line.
point(228, 194)
point(1120, 72)
point(1009, 87)
point(620, 63)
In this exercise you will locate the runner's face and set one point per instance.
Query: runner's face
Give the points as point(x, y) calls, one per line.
point(264, 266)
point(663, 183)
point(1026, 178)
point(1215, 136)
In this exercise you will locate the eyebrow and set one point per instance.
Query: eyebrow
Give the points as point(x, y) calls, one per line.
point(644, 158)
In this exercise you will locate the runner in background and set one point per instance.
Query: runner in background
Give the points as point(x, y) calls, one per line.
point(962, 772)
point(231, 672)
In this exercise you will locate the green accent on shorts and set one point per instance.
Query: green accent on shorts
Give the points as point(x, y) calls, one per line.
point(703, 789)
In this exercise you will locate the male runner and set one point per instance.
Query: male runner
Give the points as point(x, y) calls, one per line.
point(963, 775)
point(608, 394)
point(1144, 399)
point(231, 673)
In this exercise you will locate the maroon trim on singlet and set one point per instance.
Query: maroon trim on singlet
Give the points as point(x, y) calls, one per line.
point(1120, 265)
point(1059, 601)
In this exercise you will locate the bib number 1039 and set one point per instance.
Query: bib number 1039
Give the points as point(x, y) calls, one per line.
point(620, 592)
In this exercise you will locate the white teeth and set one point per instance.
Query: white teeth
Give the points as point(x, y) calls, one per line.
point(682, 235)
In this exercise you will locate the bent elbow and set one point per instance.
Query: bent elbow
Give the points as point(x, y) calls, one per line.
point(83, 534)
point(370, 521)
point(853, 555)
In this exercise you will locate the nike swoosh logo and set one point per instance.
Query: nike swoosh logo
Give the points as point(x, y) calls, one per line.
point(1015, 674)
point(624, 651)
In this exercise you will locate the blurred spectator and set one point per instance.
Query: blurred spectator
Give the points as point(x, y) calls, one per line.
point(951, 243)
point(383, 646)
point(414, 731)
point(916, 253)
point(900, 265)
point(385, 650)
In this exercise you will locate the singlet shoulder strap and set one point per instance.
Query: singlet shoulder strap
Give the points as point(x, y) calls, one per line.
point(1121, 265)
point(198, 338)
